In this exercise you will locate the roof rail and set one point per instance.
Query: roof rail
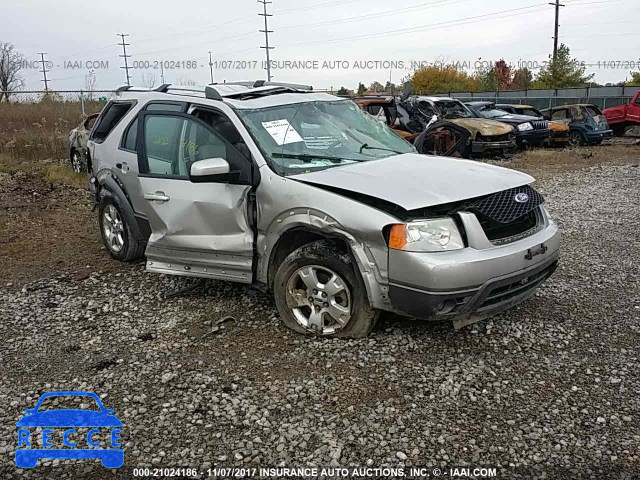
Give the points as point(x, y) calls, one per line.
point(162, 88)
point(123, 88)
point(297, 86)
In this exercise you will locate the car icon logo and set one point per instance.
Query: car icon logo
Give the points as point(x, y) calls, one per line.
point(32, 447)
point(521, 197)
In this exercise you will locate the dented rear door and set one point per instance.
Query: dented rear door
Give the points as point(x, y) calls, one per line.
point(198, 229)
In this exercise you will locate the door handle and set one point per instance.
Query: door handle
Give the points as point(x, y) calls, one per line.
point(158, 197)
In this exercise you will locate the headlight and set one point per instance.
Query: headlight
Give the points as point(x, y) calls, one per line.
point(437, 235)
point(525, 127)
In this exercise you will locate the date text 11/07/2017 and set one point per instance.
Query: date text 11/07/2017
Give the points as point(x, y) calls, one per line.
point(341, 472)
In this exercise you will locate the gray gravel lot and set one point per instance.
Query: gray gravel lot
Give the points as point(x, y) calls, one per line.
point(549, 389)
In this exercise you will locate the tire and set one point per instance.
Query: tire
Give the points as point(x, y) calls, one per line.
point(340, 293)
point(116, 233)
point(78, 164)
point(576, 138)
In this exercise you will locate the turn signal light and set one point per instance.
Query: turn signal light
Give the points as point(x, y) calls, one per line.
point(398, 236)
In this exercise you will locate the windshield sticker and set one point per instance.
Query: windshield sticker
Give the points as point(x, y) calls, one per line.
point(282, 132)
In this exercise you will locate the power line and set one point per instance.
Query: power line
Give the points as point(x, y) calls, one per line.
point(266, 35)
point(44, 72)
point(433, 26)
point(125, 56)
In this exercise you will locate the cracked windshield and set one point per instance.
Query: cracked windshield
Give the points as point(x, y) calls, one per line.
point(316, 135)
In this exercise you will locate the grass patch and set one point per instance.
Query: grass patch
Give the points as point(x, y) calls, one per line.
point(37, 130)
point(63, 175)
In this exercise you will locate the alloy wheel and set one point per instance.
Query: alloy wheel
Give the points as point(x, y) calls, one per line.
point(76, 162)
point(319, 299)
point(113, 228)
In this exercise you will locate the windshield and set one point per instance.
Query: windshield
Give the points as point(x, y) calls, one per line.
point(489, 111)
point(451, 109)
point(316, 135)
point(532, 112)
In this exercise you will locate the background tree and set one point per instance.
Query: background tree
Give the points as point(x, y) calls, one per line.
point(361, 88)
point(563, 72)
point(11, 62)
point(90, 83)
point(635, 79)
point(148, 80)
point(376, 87)
point(343, 92)
point(522, 79)
point(435, 79)
point(502, 74)
point(390, 88)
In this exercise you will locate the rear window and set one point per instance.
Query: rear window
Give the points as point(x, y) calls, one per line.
point(593, 111)
point(111, 116)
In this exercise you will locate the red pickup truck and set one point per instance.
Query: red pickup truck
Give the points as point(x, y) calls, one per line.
point(624, 116)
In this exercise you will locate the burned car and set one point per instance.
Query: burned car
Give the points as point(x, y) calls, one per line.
point(78, 144)
point(559, 136)
point(588, 124)
point(307, 196)
point(440, 125)
point(530, 131)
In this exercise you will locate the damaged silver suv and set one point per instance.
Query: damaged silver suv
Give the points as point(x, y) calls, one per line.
point(303, 193)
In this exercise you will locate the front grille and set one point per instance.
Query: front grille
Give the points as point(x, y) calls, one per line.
point(501, 233)
point(509, 205)
point(507, 137)
point(540, 125)
point(518, 287)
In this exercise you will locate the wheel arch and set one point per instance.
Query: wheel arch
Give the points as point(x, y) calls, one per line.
point(110, 188)
point(297, 230)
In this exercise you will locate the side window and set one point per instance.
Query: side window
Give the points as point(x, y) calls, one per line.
point(172, 144)
point(131, 134)
point(638, 100)
point(559, 115)
point(111, 116)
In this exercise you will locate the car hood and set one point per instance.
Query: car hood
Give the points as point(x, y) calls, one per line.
point(515, 119)
point(483, 126)
point(69, 418)
point(414, 181)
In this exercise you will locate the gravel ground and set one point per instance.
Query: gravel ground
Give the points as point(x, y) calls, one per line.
point(546, 390)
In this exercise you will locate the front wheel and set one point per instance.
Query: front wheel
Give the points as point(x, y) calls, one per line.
point(576, 139)
point(318, 290)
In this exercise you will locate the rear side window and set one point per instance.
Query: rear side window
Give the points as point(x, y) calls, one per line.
point(109, 119)
point(131, 135)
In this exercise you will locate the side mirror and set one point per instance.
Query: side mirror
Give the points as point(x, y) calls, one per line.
point(209, 170)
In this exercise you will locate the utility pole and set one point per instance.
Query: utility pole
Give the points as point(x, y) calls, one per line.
point(557, 4)
point(44, 72)
point(211, 66)
point(125, 56)
point(161, 73)
point(266, 32)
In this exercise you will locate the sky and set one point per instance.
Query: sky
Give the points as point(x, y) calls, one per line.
point(324, 43)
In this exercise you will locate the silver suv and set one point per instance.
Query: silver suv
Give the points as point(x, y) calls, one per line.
point(304, 193)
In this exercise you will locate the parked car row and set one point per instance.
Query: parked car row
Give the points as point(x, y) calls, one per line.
point(322, 204)
point(446, 126)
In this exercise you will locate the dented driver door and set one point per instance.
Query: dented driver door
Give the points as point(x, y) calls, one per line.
point(198, 229)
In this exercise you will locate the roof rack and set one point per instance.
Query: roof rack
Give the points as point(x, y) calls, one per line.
point(264, 83)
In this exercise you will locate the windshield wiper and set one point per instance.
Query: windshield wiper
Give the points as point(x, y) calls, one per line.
point(366, 146)
point(308, 158)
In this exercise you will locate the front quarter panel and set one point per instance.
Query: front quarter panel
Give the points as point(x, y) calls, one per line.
point(284, 203)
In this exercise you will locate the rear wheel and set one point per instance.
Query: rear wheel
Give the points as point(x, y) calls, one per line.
point(116, 233)
point(318, 290)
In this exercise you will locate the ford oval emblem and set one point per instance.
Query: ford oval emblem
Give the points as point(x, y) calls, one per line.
point(521, 197)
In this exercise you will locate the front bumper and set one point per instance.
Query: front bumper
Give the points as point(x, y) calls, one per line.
point(472, 283)
point(533, 138)
point(480, 146)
